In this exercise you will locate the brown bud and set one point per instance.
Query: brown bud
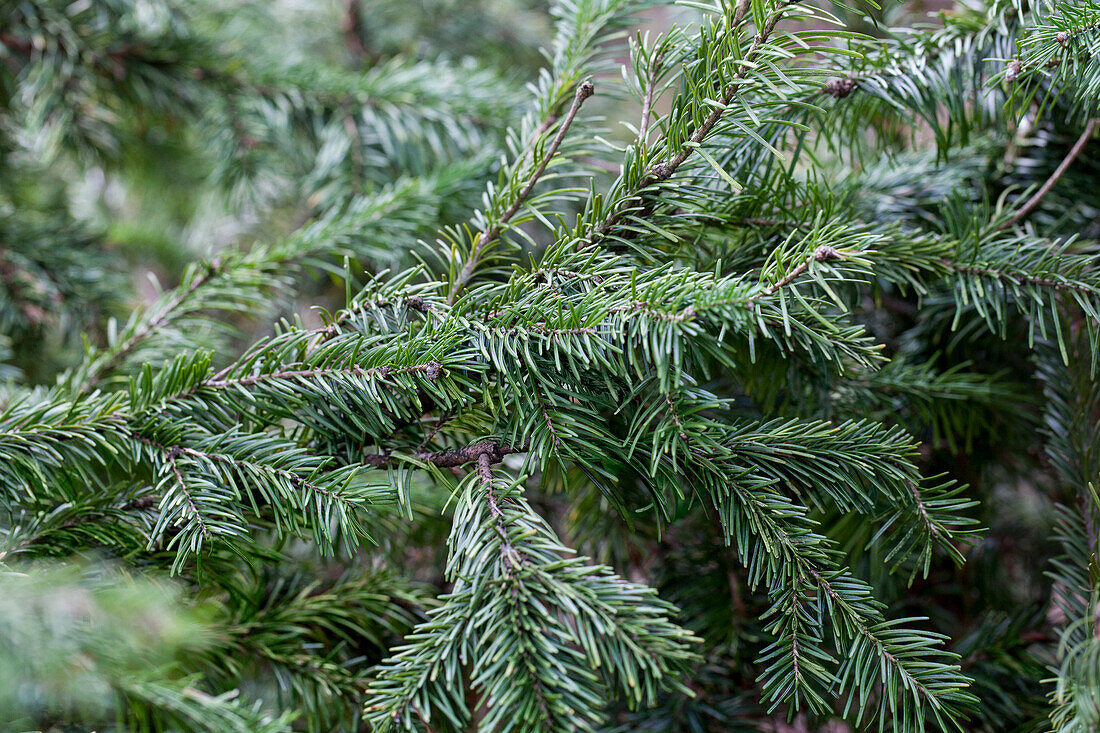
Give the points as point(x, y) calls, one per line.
point(841, 88)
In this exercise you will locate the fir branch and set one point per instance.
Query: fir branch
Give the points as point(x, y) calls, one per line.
point(648, 97)
point(431, 370)
point(1050, 182)
point(663, 170)
point(491, 450)
point(237, 281)
point(154, 321)
point(585, 90)
point(170, 455)
point(823, 253)
point(1021, 277)
point(727, 351)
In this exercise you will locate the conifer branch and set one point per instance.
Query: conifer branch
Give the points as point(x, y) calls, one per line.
point(823, 253)
point(171, 455)
point(911, 682)
point(647, 99)
point(488, 450)
point(719, 368)
point(922, 510)
point(172, 452)
point(1020, 277)
point(164, 314)
point(1050, 182)
point(432, 370)
point(663, 170)
point(585, 90)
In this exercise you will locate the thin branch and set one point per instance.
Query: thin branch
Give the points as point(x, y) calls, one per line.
point(171, 456)
point(857, 620)
point(795, 623)
point(1054, 177)
point(431, 369)
point(824, 253)
point(650, 92)
point(485, 473)
point(95, 515)
point(546, 417)
point(743, 8)
point(663, 170)
point(442, 422)
point(126, 347)
point(491, 449)
point(675, 413)
point(1017, 279)
point(172, 451)
point(512, 558)
point(584, 91)
point(922, 510)
point(540, 330)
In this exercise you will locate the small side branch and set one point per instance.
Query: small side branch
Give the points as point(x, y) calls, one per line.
point(172, 452)
point(743, 7)
point(824, 253)
point(922, 510)
point(119, 354)
point(171, 457)
point(584, 91)
point(432, 369)
point(1054, 177)
point(650, 93)
point(663, 170)
point(304, 373)
point(511, 558)
point(485, 473)
point(1015, 278)
point(912, 683)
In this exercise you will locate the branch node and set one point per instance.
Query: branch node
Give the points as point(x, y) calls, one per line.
point(662, 171)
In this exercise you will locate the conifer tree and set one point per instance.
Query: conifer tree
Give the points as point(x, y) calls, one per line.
point(774, 402)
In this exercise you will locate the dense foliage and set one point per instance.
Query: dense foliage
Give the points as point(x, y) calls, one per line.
point(774, 403)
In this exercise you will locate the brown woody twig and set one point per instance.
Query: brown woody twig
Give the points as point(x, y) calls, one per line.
point(493, 451)
point(663, 170)
point(584, 91)
point(1054, 177)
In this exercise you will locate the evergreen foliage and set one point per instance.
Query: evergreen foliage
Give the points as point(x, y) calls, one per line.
point(775, 403)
